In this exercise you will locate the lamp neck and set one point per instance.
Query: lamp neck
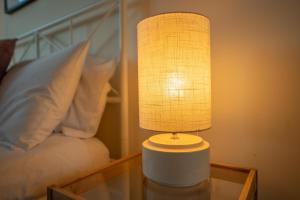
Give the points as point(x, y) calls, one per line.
point(175, 136)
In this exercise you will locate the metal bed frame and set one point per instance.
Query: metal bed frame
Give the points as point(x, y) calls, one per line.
point(34, 37)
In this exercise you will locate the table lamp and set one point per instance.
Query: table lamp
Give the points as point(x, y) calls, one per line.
point(175, 96)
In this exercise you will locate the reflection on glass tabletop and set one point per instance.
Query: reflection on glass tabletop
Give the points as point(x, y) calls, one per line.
point(123, 179)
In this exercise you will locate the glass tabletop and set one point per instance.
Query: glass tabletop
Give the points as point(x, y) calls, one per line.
point(125, 180)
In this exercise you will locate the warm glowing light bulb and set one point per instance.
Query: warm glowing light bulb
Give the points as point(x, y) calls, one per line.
point(174, 85)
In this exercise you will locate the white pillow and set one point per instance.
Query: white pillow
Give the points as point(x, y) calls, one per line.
point(35, 98)
point(88, 105)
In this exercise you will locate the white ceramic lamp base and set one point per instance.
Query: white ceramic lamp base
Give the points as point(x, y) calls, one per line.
point(179, 162)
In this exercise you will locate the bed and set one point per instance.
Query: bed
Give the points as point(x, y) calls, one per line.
point(60, 159)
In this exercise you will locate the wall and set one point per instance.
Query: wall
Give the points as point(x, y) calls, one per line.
point(1, 20)
point(255, 87)
point(39, 13)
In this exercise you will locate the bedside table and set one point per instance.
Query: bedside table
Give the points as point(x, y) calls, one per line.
point(123, 179)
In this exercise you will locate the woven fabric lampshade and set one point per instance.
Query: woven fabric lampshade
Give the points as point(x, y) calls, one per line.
point(174, 73)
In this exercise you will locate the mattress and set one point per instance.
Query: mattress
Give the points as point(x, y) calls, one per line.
point(57, 161)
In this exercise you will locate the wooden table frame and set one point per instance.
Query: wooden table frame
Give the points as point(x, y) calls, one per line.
point(249, 190)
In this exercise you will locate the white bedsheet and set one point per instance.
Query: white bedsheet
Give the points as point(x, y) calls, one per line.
point(58, 160)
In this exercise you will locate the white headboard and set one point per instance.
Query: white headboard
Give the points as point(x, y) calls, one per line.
point(32, 41)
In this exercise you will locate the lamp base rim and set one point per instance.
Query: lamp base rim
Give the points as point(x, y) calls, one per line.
point(176, 167)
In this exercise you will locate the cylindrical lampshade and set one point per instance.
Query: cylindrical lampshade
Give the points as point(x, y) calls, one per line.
point(174, 72)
